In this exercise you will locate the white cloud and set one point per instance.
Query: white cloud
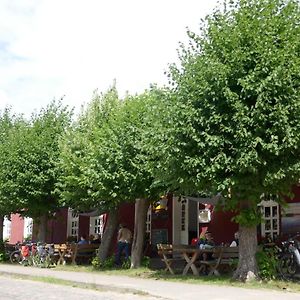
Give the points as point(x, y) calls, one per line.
point(71, 47)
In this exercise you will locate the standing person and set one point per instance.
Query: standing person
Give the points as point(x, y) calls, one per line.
point(124, 239)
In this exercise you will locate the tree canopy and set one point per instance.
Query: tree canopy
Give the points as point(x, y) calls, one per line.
point(237, 105)
point(30, 161)
point(237, 94)
point(102, 157)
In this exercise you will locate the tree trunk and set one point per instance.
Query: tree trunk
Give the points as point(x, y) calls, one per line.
point(247, 268)
point(141, 208)
point(108, 234)
point(42, 228)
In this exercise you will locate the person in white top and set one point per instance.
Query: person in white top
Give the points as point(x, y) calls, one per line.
point(235, 242)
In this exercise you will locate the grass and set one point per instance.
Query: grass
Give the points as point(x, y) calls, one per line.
point(278, 285)
point(210, 280)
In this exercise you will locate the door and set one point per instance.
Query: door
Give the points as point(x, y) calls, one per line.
point(180, 221)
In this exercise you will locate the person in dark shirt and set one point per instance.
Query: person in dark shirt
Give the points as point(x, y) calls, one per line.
point(96, 239)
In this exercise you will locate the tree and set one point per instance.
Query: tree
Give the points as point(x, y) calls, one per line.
point(31, 164)
point(86, 181)
point(237, 106)
point(103, 162)
point(9, 124)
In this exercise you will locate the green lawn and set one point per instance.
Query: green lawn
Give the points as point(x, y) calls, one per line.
point(217, 280)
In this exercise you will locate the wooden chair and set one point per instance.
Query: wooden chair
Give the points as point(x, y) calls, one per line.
point(84, 252)
point(222, 256)
point(211, 265)
point(165, 251)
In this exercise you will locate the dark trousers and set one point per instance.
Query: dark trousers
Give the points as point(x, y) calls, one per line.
point(122, 246)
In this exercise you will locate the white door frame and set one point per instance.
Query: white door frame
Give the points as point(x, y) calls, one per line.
point(180, 221)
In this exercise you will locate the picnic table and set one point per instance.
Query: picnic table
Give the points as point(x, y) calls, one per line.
point(220, 256)
point(62, 252)
point(72, 252)
point(190, 255)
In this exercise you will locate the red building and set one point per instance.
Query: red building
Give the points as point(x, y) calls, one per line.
point(177, 222)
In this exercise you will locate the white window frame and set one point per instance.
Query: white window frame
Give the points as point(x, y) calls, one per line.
point(97, 225)
point(270, 227)
point(28, 225)
point(6, 228)
point(73, 223)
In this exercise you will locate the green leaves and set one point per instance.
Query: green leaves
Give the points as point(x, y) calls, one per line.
point(238, 103)
point(28, 165)
point(105, 154)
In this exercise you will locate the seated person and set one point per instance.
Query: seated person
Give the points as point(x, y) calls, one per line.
point(207, 242)
point(235, 242)
point(83, 240)
point(96, 239)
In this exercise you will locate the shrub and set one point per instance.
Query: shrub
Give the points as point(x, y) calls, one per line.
point(107, 264)
point(267, 262)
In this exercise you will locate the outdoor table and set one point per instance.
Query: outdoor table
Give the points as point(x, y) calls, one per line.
point(190, 254)
point(63, 251)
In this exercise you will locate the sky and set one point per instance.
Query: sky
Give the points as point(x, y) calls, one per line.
point(51, 49)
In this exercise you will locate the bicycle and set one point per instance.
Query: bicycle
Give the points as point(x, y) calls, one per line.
point(16, 256)
point(43, 256)
point(23, 254)
point(289, 258)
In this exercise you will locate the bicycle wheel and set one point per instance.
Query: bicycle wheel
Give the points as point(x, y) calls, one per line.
point(287, 266)
point(15, 257)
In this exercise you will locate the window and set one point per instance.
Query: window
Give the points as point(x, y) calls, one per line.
point(97, 225)
point(6, 228)
point(290, 219)
point(73, 222)
point(28, 224)
point(270, 214)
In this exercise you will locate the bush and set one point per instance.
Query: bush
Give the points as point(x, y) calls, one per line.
point(267, 262)
point(146, 261)
point(109, 263)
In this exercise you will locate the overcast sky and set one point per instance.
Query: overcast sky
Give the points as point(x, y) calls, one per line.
point(55, 48)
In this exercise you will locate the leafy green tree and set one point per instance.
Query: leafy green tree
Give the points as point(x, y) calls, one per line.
point(9, 123)
point(103, 162)
point(237, 111)
point(30, 162)
point(85, 182)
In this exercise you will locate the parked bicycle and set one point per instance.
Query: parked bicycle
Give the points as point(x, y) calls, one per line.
point(43, 257)
point(289, 258)
point(33, 255)
point(15, 256)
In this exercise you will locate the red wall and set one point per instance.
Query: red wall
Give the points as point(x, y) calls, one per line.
point(296, 196)
point(17, 229)
point(221, 227)
point(84, 226)
point(126, 215)
point(164, 219)
point(57, 227)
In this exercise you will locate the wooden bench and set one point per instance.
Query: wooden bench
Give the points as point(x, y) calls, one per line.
point(166, 253)
point(221, 257)
point(83, 252)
